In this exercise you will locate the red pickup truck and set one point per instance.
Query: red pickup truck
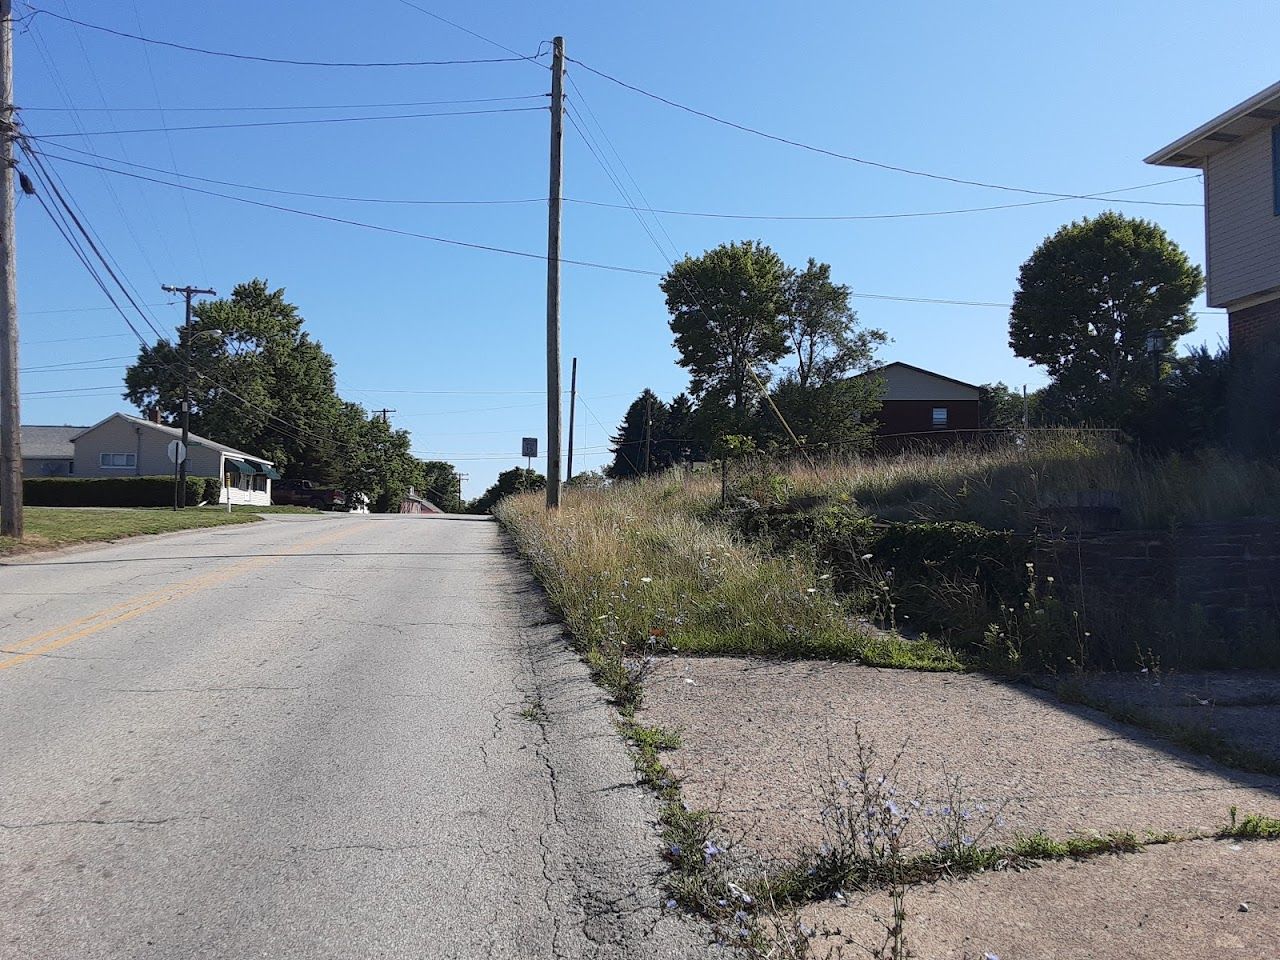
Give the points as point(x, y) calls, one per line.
point(307, 493)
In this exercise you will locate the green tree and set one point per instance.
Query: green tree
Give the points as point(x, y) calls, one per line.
point(726, 311)
point(629, 442)
point(1088, 299)
point(838, 415)
point(509, 482)
point(999, 408)
point(258, 380)
point(680, 442)
point(822, 328)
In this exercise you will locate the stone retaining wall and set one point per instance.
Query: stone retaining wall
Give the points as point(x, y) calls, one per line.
point(1229, 569)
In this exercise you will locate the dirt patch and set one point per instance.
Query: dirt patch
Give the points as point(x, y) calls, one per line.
point(1179, 900)
point(758, 735)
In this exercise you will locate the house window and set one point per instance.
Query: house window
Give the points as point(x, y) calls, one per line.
point(939, 418)
point(117, 461)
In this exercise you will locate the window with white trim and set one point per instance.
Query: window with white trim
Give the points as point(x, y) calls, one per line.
point(939, 418)
point(117, 461)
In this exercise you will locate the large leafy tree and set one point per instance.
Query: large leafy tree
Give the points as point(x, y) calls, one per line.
point(258, 380)
point(822, 329)
point(1089, 298)
point(261, 383)
point(726, 311)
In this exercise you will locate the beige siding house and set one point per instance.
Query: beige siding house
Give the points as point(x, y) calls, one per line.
point(122, 445)
point(1239, 152)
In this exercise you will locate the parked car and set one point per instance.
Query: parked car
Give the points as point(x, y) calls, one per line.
point(307, 493)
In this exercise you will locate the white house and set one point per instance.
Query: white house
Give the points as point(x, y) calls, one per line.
point(122, 445)
point(1239, 152)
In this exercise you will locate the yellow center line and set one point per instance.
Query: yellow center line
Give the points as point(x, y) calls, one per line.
point(129, 609)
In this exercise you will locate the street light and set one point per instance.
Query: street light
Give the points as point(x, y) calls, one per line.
point(1155, 350)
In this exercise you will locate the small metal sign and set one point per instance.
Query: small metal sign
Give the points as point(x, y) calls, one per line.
point(177, 451)
point(529, 447)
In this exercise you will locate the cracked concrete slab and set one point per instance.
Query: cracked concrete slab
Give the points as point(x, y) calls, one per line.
point(759, 737)
point(1203, 899)
point(258, 768)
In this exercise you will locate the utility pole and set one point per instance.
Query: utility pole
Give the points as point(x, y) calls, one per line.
point(553, 276)
point(648, 428)
point(384, 414)
point(10, 408)
point(180, 481)
point(573, 404)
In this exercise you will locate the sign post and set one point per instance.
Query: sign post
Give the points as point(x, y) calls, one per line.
point(177, 451)
point(529, 450)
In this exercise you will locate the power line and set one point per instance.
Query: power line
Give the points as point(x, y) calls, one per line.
point(1106, 195)
point(281, 107)
point(291, 123)
point(835, 154)
point(276, 60)
point(358, 223)
point(461, 243)
point(291, 193)
point(472, 33)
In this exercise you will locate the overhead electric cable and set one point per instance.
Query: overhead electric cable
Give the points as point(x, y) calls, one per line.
point(833, 153)
point(38, 11)
point(256, 108)
point(368, 226)
point(293, 123)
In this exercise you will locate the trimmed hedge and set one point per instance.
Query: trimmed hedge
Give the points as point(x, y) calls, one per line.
point(108, 491)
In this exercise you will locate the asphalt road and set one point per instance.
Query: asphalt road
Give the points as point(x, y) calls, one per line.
point(307, 738)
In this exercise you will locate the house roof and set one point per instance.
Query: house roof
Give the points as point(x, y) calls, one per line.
point(41, 442)
point(1259, 111)
point(173, 433)
point(927, 373)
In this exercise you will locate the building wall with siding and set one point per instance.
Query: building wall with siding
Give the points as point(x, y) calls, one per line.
point(1240, 221)
point(149, 447)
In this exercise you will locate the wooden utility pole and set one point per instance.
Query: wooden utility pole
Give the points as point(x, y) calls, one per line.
point(573, 404)
point(648, 427)
point(10, 407)
point(385, 414)
point(553, 277)
point(180, 477)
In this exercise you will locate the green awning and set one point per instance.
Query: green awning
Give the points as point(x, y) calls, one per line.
point(239, 466)
point(271, 472)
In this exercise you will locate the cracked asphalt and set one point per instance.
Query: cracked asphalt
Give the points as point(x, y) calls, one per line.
point(303, 738)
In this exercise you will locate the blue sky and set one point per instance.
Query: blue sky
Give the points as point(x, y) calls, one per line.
point(1062, 98)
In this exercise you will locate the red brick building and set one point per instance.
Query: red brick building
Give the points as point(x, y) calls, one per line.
point(921, 404)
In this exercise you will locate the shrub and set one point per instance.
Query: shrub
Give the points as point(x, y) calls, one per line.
point(212, 490)
point(106, 491)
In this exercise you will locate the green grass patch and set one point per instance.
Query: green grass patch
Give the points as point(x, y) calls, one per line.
point(46, 527)
point(1253, 827)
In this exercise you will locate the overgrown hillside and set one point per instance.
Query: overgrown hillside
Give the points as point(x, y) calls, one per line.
point(923, 560)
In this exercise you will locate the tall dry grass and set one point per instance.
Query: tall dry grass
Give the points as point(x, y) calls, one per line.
point(1005, 486)
point(634, 570)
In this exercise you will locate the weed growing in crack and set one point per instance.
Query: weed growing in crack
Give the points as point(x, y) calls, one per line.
point(535, 711)
point(1255, 826)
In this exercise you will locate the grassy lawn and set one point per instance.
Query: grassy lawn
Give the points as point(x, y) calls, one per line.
point(58, 526)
